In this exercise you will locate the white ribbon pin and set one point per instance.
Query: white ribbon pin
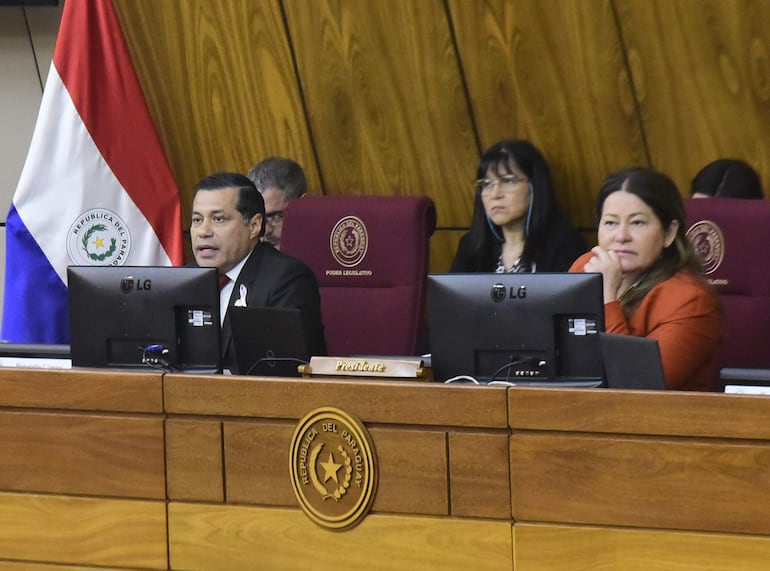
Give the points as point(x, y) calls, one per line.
point(241, 301)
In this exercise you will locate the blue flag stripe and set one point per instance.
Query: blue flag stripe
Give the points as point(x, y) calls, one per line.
point(35, 304)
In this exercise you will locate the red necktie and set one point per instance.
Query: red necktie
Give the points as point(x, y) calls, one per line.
point(223, 281)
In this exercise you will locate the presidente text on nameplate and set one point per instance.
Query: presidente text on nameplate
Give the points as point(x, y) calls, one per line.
point(333, 468)
point(370, 367)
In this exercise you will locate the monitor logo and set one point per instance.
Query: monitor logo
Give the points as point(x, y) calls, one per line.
point(499, 292)
point(128, 283)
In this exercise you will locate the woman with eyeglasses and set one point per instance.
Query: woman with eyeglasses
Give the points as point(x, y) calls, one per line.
point(517, 225)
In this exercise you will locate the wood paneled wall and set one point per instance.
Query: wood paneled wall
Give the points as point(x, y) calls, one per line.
point(388, 97)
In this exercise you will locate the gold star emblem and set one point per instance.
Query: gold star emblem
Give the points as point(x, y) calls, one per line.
point(331, 469)
point(99, 243)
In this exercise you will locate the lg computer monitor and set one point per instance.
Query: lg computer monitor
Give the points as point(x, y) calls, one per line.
point(139, 316)
point(516, 327)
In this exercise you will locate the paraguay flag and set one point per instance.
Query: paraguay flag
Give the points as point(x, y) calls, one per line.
point(96, 187)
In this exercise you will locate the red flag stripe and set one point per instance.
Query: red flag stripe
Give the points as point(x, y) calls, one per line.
point(106, 92)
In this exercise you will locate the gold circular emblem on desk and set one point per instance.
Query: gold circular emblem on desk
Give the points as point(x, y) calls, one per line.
point(332, 468)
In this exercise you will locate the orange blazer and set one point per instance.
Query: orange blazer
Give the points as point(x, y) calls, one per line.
point(685, 317)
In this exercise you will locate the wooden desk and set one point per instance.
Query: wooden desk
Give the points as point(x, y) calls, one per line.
point(442, 500)
point(141, 471)
point(82, 478)
point(639, 480)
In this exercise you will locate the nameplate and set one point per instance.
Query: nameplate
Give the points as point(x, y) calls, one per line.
point(369, 367)
point(747, 390)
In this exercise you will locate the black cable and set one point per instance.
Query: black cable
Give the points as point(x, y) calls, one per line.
point(275, 360)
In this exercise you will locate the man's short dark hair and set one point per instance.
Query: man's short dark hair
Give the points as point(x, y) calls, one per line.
point(250, 201)
point(278, 172)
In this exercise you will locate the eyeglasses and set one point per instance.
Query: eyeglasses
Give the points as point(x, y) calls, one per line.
point(274, 218)
point(507, 183)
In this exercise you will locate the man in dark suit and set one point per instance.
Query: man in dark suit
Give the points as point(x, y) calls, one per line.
point(228, 220)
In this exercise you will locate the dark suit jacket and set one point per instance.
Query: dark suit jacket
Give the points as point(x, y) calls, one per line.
point(273, 279)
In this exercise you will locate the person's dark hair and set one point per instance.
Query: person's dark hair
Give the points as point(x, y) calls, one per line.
point(727, 178)
point(250, 201)
point(281, 173)
point(660, 193)
point(499, 158)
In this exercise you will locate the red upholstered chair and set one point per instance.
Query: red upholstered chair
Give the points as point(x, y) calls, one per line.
point(370, 255)
point(732, 236)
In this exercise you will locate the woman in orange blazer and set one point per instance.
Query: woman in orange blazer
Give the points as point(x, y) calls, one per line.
point(653, 285)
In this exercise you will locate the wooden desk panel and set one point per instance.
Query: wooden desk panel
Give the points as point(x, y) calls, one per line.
point(567, 548)
point(413, 477)
point(257, 463)
point(82, 454)
point(82, 389)
point(233, 538)
point(670, 413)
point(194, 460)
point(86, 531)
point(478, 469)
point(391, 402)
point(642, 482)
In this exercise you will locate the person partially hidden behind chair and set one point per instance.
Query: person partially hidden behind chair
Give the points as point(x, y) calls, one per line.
point(228, 220)
point(280, 181)
point(516, 225)
point(726, 178)
point(653, 284)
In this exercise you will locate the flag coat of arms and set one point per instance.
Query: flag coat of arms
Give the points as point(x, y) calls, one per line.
point(96, 187)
